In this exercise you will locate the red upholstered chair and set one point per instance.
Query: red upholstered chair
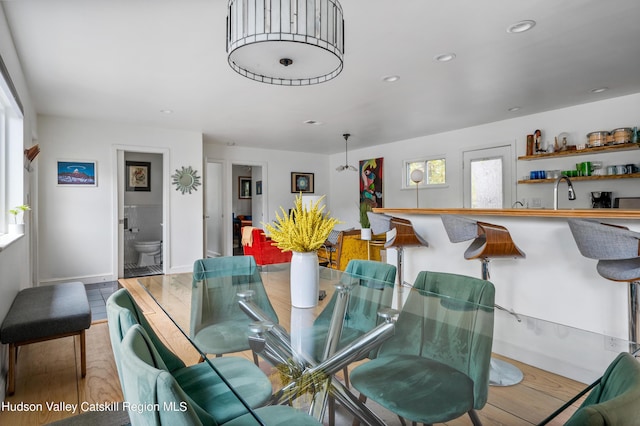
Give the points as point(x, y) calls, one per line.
point(262, 249)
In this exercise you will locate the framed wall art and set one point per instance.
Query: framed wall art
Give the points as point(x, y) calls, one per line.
point(371, 178)
point(244, 187)
point(302, 182)
point(137, 176)
point(77, 173)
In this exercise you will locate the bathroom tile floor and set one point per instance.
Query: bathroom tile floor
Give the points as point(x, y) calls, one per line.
point(133, 270)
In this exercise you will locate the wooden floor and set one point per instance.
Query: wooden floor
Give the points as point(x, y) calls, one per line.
point(49, 372)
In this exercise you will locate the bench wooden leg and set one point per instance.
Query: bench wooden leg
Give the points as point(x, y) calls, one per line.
point(13, 354)
point(83, 354)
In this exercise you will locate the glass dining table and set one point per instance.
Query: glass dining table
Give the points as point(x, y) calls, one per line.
point(305, 346)
point(308, 347)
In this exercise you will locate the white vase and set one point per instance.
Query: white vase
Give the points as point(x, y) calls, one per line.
point(304, 279)
point(365, 234)
point(16, 228)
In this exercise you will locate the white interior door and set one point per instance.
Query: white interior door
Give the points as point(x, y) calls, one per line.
point(213, 223)
point(488, 177)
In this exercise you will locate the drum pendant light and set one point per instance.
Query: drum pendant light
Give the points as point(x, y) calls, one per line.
point(286, 42)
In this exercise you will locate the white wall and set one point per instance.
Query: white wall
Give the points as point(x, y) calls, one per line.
point(577, 121)
point(16, 263)
point(75, 219)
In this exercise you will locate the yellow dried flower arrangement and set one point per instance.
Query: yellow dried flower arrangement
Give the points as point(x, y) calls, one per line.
point(302, 230)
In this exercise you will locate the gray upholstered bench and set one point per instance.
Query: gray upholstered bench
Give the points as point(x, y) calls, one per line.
point(44, 313)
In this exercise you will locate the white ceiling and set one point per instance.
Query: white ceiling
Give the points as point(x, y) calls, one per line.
point(126, 60)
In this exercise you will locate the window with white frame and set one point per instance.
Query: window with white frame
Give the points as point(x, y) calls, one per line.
point(433, 172)
point(11, 147)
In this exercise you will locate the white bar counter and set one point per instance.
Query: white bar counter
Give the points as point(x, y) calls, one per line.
point(554, 282)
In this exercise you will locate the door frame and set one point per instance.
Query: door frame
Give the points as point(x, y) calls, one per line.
point(117, 222)
point(509, 168)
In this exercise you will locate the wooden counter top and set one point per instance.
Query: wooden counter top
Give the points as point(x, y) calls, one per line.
point(583, 213)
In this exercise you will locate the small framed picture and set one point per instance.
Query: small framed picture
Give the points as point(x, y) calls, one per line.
point(138, 176)
point(302, 182)
point(244, 187)
point(77, 173)
point(259, 187)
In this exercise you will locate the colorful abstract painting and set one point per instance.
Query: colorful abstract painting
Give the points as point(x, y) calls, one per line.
point(371, 194)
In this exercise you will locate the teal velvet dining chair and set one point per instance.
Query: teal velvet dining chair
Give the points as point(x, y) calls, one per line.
point(200, 380)
point(436, 366)
point(160, 400)
point(218, 325)
point(613, 399)
point(374, 291)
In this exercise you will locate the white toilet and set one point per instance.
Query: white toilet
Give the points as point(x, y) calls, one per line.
point(150, 252)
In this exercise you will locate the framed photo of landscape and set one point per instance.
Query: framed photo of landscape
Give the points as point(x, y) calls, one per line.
point(302, 182)
point(77, 173)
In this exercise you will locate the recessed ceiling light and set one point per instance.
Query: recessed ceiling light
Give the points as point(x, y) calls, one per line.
point(166, 111)
point(514, 109)
point(314, 122)
point(520, 27)
point(390, 78)
point(599, 90)
point(445, 57)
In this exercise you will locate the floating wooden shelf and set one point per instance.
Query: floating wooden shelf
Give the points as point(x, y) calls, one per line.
point(579, 178)
point(586, 151)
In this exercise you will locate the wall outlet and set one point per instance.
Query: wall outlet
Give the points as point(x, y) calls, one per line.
point(536, 202)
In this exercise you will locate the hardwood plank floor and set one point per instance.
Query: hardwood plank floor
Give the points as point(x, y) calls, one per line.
point(49, 372)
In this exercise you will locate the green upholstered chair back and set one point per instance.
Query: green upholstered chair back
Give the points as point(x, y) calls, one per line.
point(374, 291)
point(152, 392)
point(453, 326)
point(616, 399)
point(214, 302)
point(122, 313)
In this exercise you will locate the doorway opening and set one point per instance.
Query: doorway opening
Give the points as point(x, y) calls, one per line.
point(226, 200)
point(246, 202)
point(142, 241)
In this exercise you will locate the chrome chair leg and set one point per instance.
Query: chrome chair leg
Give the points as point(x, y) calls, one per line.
point(634, 312)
